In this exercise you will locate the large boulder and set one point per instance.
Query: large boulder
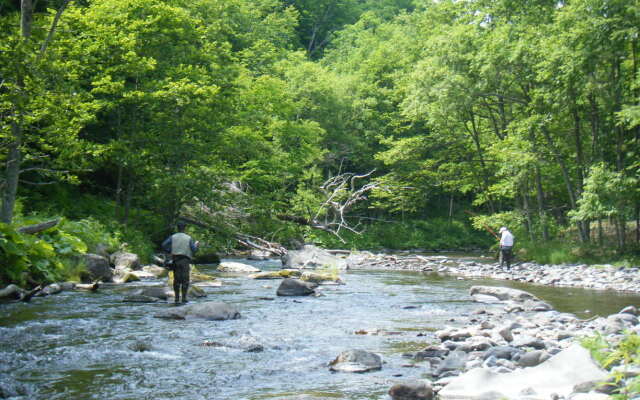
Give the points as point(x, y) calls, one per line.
point(502, 294)
point(313, 257)
point(356, 361)
point(295, 287)
point(237, 267)
point(554, 377)
point(98, 268)
point(125, 260)
point(411, 390)
point(210, 311)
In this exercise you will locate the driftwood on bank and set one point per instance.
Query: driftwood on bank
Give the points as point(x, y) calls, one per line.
point(35, 228)
point(14, 292)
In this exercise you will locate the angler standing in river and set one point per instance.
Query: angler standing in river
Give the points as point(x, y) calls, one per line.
point(506, 247)
point(182, 247)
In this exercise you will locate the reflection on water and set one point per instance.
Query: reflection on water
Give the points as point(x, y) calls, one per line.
point(80, 345)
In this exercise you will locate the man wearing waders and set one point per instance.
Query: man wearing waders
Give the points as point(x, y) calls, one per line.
point(182, 248)
point(506, 246)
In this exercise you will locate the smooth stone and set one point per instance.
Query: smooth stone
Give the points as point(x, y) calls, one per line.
point(357, 361)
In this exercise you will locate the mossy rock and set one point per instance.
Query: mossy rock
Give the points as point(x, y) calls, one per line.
point(125, 277)
point(320, 277)
point(281, 274)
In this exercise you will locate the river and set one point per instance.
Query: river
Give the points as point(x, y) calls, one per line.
point(81, 345)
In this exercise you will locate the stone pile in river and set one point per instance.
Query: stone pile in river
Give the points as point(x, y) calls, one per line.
point(516, 347)
point(602, 277)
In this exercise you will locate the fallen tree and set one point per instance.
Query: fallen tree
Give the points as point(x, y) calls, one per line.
point(341, 193)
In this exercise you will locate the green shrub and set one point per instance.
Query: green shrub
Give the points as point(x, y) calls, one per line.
point(625, 354)
point(92, 233)
point(29, 259)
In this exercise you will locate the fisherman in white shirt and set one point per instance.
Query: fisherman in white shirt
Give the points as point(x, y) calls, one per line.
point(506, 246)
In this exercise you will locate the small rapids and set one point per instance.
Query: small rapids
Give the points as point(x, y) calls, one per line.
point(81, 345)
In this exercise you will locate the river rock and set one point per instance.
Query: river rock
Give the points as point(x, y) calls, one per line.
point(533, 358)
point(98, 268)
point(629, 310)
point(313, 257)
point(505, 332)
point(157, 271)
point(356, 361)
point(142, 274)
point(455, 361)
point(125, 260)
point(529, 341)
point(237, 267)
point(554, 377)
point(140, 299)
point(195, 291)
point(159, 292)
point(503, 293)
point(124, 276)
point(501, 352)
point(411, 390)
point(210, 311)
point(320, 277)
point(295, 287)
point(259, 255)
point(281, 274)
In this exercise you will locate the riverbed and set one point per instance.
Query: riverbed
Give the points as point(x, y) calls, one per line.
point(82, 345)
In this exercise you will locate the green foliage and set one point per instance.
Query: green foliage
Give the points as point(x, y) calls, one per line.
point(92, 234)
point(606, 194)
point(622, 354)
point(434, 234)
point(26, 257)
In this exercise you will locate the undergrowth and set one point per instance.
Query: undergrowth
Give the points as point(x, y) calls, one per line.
point(618, 358)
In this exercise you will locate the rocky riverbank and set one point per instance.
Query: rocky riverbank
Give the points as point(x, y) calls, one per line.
point(515, 346)
point(601, 277)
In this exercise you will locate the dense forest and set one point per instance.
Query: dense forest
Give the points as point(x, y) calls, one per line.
point(403, 124)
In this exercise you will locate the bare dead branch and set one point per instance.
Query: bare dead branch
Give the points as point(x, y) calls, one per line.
point(342, 192)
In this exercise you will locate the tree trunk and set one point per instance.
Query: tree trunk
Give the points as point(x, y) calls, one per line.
point(527, 212)
point(118, 199)
point(14, 157)
point(475, 135)
point(26, 18)
point(567, 179)
point(127, 202)
point(539, 192)
point(12, 173)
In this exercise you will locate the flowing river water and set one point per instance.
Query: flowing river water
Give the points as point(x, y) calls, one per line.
point(81, 345)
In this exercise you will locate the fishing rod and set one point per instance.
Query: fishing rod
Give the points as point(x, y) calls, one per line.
point(486, 227)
